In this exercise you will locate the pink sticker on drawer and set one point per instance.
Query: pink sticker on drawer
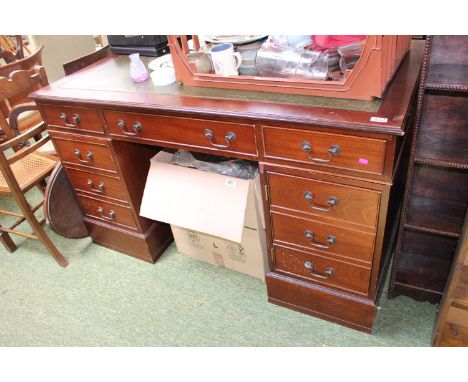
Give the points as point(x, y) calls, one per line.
point(363, 161)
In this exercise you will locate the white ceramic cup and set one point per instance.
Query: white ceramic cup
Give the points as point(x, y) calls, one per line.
point(225, 60)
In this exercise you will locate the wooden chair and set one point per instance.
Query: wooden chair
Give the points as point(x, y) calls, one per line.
point(20, 172)
point(25, 63)
point(14, 93)
point(9, 52)
point(82, 62)
point(8, 56)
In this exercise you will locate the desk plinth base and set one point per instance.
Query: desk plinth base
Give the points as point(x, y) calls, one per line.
point(146, 246)
point(353, 312)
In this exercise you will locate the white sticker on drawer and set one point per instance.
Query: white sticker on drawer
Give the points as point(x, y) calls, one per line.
point(379, 119)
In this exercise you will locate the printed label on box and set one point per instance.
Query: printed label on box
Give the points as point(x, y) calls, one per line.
point(230, 183)
point(236, 252)
point(218, 259)
point(194, 239)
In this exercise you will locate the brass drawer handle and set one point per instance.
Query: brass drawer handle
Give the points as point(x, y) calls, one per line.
point(332, 201)
point(310, 268)
point(332, 151)
point(100, 188)
point(110, 215)
point(330, 240)
point(89, 155)
point(136, 128)
point(75, 118)
point(229, 138)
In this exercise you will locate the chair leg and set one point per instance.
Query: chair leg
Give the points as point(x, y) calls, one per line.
point(7, 241)
point(39, 230)
point(40, 233)
point(41, 186)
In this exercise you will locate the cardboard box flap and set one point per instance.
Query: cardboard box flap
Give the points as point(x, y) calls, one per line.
point(197, 200)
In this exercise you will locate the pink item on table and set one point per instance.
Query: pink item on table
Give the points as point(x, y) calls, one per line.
point(328, 41)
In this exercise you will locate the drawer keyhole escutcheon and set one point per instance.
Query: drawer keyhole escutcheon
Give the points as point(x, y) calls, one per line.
point(109, 216)
point(100, 187)
point(75, 118)
point(332, 201)
point(229, 138)
point(89, 155)
point(332, 151)
point(136, 128)
point(310, 235)
point(310, 268)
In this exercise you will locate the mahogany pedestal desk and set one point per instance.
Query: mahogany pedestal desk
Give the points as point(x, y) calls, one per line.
point(331, 171)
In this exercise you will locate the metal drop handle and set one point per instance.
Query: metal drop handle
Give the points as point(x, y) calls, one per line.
point(229, 138)
point(100, 188)
point(75, 118)
point(330, 240)
point(110, 216)
point(332, 201)
point(89, 155)
point(332, 151)
point(136, 128)
point(310, 268)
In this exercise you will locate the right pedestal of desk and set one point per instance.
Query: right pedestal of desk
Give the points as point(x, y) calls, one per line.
point(332, 200)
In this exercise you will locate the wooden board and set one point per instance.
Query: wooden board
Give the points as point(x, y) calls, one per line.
point(61, 208)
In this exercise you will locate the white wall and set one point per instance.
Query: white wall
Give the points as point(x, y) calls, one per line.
point(61, 49)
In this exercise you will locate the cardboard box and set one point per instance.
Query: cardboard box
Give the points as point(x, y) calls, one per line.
point(214, 218)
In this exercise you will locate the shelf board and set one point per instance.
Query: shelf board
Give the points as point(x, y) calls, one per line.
point(423, 272)
point(439, 163)
point(448, 77)
point(433, 231)
point(443, 135)
point(419, 294)
point(419, 288)
point(436, 215)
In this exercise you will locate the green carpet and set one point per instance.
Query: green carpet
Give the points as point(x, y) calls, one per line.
point(105, 298)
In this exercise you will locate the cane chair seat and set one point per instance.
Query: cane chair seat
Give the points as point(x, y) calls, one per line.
point(28, 169)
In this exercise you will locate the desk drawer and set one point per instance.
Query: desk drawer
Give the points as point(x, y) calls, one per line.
point(97, 184)
point(326, 238)
point(109, 212)
point(324, 149)
point(73, 118)
point(330, 200)
point(223, 137)
point(322, 270)
point(92, 155)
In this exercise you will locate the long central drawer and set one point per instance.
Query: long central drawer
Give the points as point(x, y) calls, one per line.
point(224, 137)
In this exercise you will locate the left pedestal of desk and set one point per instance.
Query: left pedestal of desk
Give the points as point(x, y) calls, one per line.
point(108, 178)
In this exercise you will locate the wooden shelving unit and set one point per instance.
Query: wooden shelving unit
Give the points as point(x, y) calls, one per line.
point(451, 327)
point(436, 191)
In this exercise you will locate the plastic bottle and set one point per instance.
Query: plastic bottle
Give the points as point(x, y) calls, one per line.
point(138, 72)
